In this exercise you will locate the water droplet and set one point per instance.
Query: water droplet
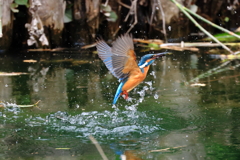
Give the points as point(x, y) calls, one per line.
point(153, 74)
point(169, 28)
point(142, 93)
point(156, 96)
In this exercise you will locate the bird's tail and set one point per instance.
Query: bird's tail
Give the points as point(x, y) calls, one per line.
point(118, 92)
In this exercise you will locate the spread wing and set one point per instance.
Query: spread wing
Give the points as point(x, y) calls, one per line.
point(105, 53)
point(121, 58)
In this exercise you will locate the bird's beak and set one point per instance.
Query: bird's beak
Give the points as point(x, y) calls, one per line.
point(159, 55)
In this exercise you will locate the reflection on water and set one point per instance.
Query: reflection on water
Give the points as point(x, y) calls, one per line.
point(163, 118)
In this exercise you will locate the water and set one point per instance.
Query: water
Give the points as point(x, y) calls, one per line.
point(163, 118)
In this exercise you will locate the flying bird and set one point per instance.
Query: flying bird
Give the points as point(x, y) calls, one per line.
point(121, 61)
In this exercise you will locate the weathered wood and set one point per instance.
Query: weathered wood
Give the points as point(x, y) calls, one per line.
point(47, 22)
point(92, 12)
point(77, 10)
point(7, 23)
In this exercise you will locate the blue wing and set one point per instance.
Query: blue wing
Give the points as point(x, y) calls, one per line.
point(120, 59)
point(105, 53)
point(116, 57)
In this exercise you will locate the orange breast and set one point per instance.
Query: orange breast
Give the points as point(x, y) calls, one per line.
point(135, 78)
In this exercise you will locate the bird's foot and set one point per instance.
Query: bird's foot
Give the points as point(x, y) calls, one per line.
point(124, 94)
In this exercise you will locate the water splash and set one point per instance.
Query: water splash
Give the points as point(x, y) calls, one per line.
point(11, 107)
point(150, 85)
point(106, 125)
point(153, 73)
point(156, 96)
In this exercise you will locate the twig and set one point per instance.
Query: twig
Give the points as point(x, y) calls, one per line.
point(176, 48)
point(155, 41)
point(199, 26)
point(32, 105)
point(166, 149)
point(197, 44)
point(221, 78)
point(152, 13)
point(21, 106)
point(99, 148)
point(124, 5)
point(106, 3)
point(214, 70)
point(163, 20)
point(213, 24)
point(133, 10)
point(1, 10)
point(37, 102)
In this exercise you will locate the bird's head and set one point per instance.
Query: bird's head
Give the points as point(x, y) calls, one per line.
point(148, 59)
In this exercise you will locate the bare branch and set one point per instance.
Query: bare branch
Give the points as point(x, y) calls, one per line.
point(99, 148)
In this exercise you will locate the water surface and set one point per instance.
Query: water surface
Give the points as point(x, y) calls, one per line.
point(163, 119)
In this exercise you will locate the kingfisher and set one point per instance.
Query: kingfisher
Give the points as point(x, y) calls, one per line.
point(121, 61)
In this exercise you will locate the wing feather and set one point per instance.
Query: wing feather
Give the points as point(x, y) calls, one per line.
point(123, 54)
point(121, 58)
point(122, 45)
point(105, 53)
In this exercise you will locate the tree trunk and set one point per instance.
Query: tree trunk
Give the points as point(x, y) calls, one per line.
point(47, 22)
point(7, 23)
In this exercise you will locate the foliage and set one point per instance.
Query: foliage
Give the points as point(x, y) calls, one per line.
point(21, 2)
point(153, 46)
point(108, 13)
point(68, 14)
point(225, 37)
point(17, 3)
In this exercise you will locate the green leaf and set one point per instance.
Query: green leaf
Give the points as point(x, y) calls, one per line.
point(108, 13)
point(112, 17)
point(21, 2)
point(14, 7)
point(68, 16)
point(226, 19)
point(106, 8)
point(225, 37)
point(153, 46)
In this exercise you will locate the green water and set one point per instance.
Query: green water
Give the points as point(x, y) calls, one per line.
point(163, 119)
